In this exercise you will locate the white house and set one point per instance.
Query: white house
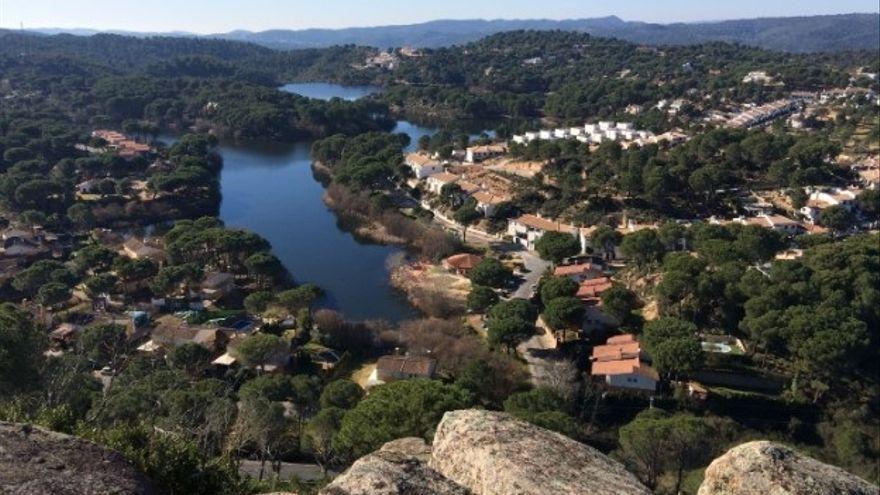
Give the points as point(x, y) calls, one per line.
point(624, 126)
point(776, 222)
point(422, 165)
point(575, 131)
point(821, 199)
point(545, 135)
point(476, 154)
point(531, 136)
point(436, 182)
point(488, 202)
point(560, 133)
point(519, 139)
point(527, 229)
point(757, 76)
point(591, 128)
point(846, 198)
point(605, 125)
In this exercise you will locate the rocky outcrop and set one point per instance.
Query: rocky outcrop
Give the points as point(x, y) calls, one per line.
point(486, 453)
point(38, 461)
point(398, 468)
point(773, 469)
point(490, 453)
point(493, 454)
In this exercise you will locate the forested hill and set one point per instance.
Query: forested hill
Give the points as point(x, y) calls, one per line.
point(185, 56)
point(794, 34)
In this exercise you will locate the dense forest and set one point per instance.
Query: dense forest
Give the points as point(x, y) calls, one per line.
point(571, 75)
point(179, 83)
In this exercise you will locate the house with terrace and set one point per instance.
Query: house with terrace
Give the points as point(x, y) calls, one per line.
point(475, 154)
point(422, 165)
point(821, 199)
point(621, 363)
point(525, 230)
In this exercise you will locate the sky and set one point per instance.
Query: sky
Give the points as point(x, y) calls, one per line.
point(214, 16)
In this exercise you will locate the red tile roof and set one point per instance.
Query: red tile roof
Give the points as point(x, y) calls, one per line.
point(593, 287)
point(579, 269)
point(463, 261)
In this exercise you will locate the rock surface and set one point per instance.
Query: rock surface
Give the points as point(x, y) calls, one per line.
point(768, 468)
point(492, 453)
point(398, 468)
point(37, 461)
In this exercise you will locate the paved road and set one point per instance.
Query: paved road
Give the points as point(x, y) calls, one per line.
point(535, 267)
point(539, 353)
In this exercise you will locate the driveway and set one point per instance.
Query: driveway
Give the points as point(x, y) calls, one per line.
point(535, 268)
point(539, 353)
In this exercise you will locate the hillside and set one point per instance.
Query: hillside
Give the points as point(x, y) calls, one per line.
point(794, 34)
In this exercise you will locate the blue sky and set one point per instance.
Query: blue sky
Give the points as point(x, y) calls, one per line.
point(207, 16)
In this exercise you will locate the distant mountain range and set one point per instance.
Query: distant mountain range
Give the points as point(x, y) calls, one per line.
point(827, 33)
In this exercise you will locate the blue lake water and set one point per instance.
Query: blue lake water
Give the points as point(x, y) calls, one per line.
point(269, 189)
point(326, 91)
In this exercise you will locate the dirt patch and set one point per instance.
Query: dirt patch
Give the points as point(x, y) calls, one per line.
point(431, 288)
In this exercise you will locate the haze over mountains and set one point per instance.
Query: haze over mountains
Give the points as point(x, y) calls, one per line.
point(793, 34)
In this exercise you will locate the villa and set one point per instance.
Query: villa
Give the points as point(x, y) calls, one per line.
point(527, 229)
point(622, 364)
point(422, 166)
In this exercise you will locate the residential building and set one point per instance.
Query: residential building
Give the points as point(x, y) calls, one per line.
point(825, 198)
point(462, 263)
point(592, 288)
point(776, 222)
point(633, 109)
point(136, 249)
point(758, 77)
point(527, 229)
point(422, 165)
point(436, 182)
point(579, 272)
point(391, 368)
point(122, 144)
point(488, 202)
point(764, 113)
point(64, 334)
point(623, 364)
point(172, 333)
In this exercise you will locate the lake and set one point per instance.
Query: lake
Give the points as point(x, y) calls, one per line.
point(326, 91)
point(269, 189)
